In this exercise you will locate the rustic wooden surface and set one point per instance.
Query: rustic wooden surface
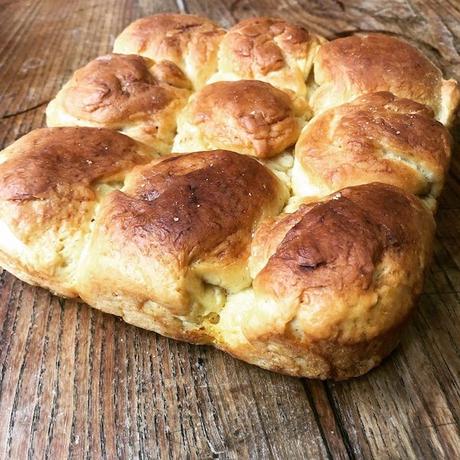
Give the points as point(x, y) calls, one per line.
point(75, 383)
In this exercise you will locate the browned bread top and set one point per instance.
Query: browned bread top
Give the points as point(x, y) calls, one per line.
point(258, 45)
point(377, 137)
point(348, 67)
point(187, 40)
point(190, 204)
point(54, 160)
point(247, 116)
point(115, 88)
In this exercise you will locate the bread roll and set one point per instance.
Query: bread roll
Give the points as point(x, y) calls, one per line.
point(170, 245)
point(349, 67)
point(189, 41)
point(271, 50)
point(246, 116)
point(334, 284)
point(377, 137)
point(51, 182)
point(127, 93)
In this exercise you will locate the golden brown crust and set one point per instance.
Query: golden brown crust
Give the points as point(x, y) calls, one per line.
point(245, 116)
point(49, 186)
point(124, 92)
point(54, 159)
point(340, 241)
point(115, 88)
point(341, 282)
point(257, 45)
point(187, 40)
point(377, 137)
point(180, 232)
point(349, 67)
point(168, 72)
point(271, 50)
point(193, 246)
point(196, 201)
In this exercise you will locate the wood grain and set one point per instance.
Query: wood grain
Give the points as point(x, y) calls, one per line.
point(75, 383)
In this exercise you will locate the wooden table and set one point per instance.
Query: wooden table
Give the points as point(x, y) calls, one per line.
point(78, 383)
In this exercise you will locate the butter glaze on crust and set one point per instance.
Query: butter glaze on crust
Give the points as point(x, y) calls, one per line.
point(124, 92)
point(189, 41)
point(193, 246)
point(349, 67)
point(246, 116)
point(50, 183)
point(336, 281)
point(271, 50)
point(377, 137)
point(176, 238)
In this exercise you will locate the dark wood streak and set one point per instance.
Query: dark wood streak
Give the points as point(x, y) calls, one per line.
point(21, 112)
point(75, 383)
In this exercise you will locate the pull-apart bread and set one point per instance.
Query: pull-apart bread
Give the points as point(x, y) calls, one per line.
point(258, 189)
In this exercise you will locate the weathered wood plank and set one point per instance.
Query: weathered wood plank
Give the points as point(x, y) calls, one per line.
point(77, 381)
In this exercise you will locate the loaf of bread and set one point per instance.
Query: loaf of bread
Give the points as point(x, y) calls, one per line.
point(259, 189)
